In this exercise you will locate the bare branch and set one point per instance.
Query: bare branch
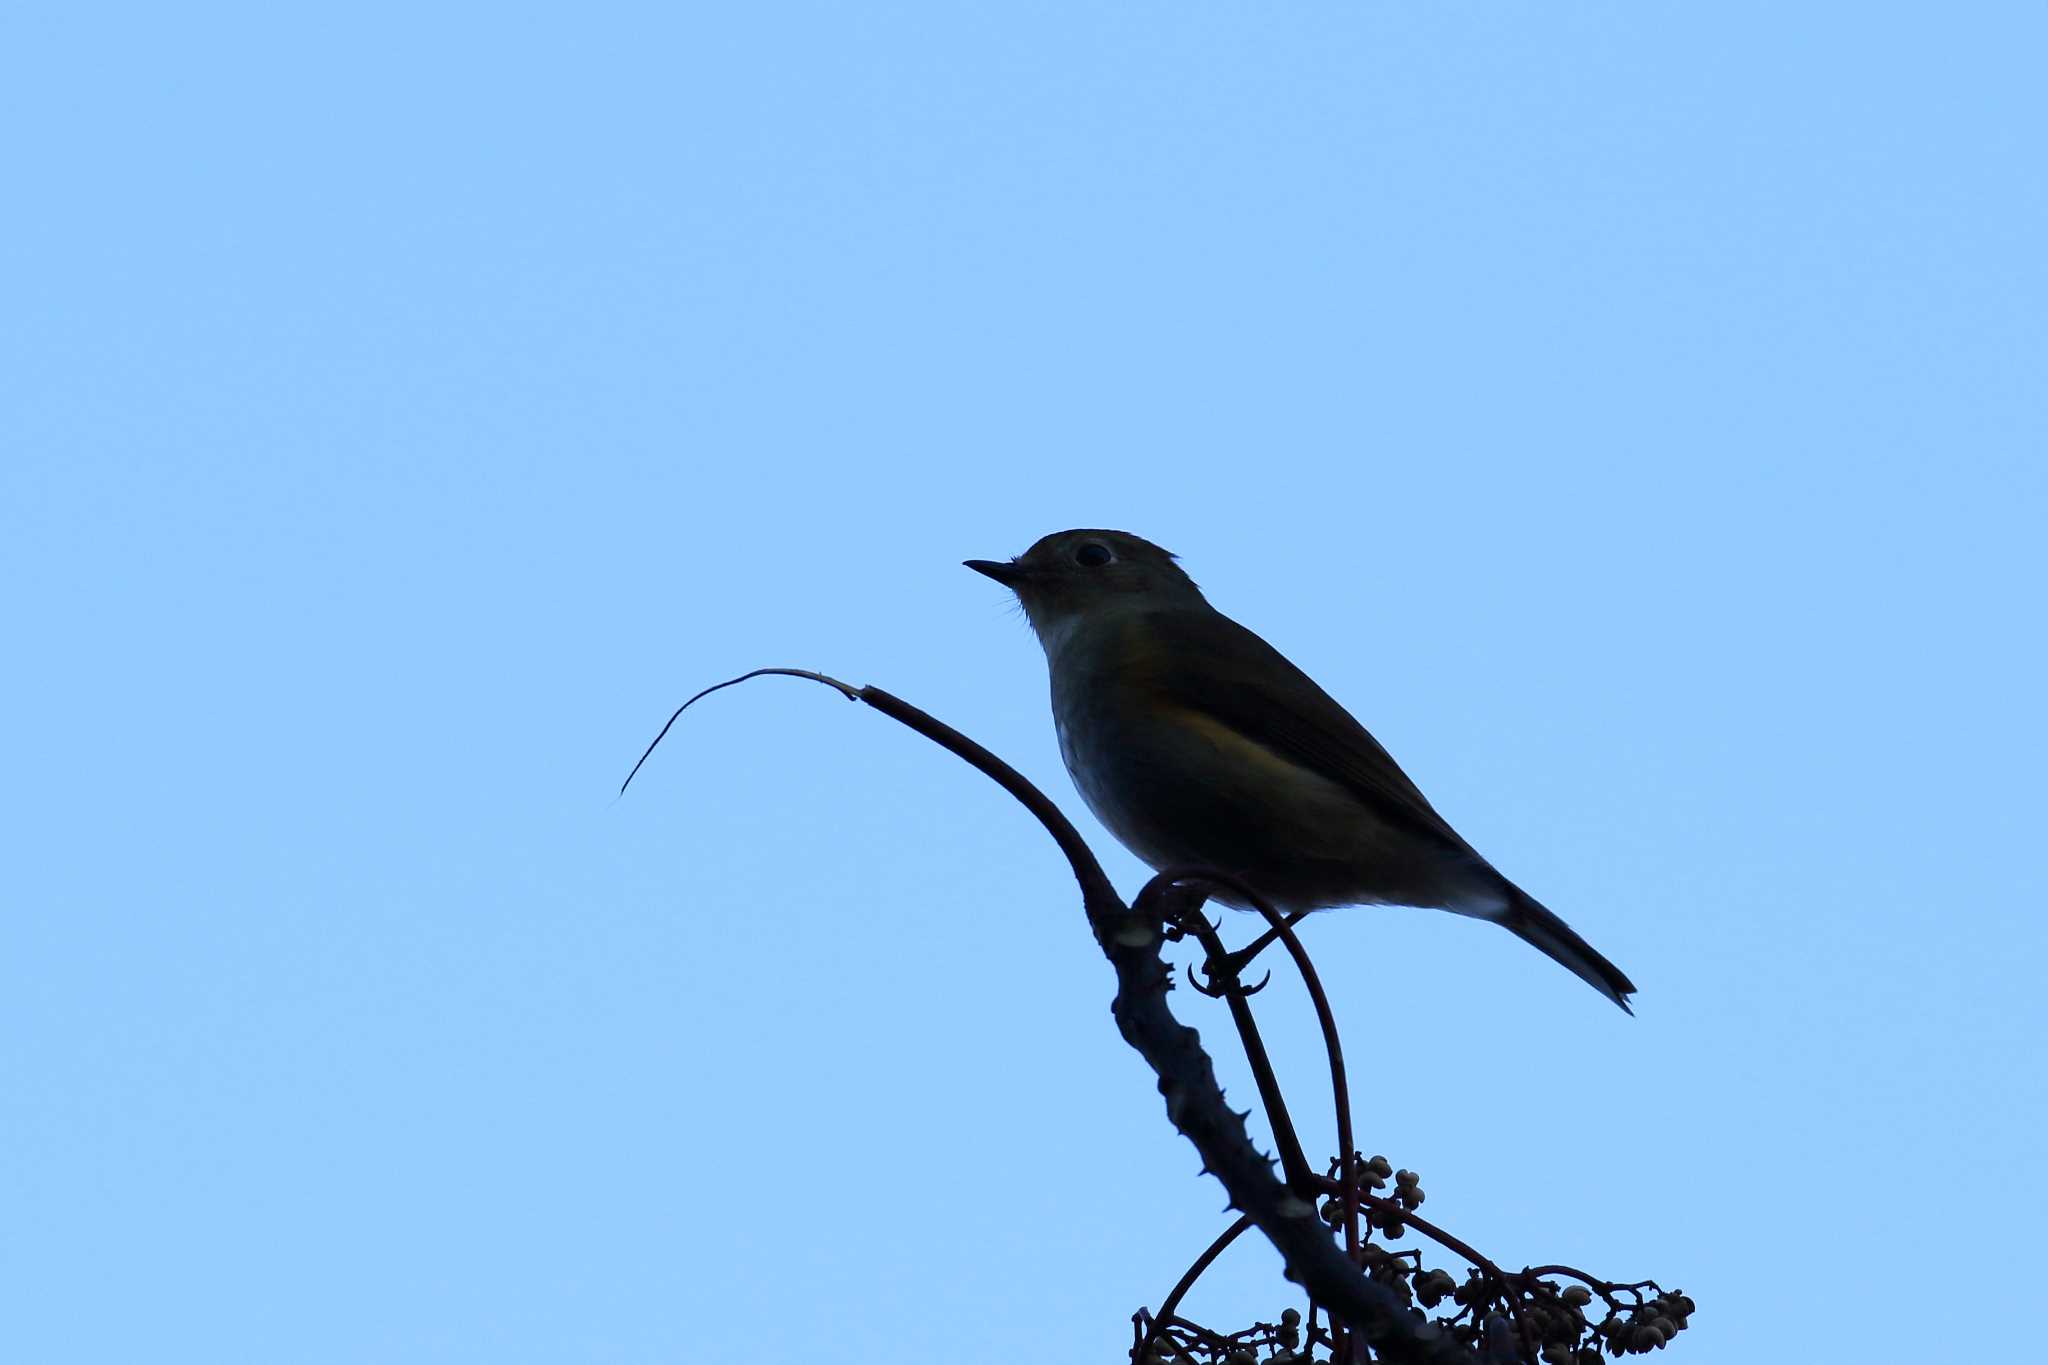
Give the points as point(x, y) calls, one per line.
point(1350, 1283)
point(1187, 1078)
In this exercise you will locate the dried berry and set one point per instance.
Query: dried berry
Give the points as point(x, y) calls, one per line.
point(1433, 1286)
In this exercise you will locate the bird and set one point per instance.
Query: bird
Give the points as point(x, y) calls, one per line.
point(1195, 742)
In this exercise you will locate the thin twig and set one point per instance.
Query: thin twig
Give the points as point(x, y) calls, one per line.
point(851, 694)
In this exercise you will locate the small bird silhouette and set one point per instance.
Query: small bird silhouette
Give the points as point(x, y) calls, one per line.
point(1197, 743)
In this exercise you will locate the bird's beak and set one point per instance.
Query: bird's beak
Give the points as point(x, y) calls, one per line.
point(1004, 572)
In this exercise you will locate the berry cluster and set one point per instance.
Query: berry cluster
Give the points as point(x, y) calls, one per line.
point(1558, 1323)
point(1265, 1343)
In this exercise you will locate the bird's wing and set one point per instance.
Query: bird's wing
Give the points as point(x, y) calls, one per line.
point(1221, 670)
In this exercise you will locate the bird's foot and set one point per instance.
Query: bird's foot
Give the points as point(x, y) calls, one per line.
point(1235, 964)
point(1222, 980)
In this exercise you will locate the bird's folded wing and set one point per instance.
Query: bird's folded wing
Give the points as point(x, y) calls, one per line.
point(1225, 672)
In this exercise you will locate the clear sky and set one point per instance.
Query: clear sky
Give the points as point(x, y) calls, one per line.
point(1633, 412)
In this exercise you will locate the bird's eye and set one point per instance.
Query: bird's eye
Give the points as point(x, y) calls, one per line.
point(1093, 556)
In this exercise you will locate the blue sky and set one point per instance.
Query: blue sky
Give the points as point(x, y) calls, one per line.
point(1632, 411)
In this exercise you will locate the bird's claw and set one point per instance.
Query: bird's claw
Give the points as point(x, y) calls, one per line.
point(1219, 983)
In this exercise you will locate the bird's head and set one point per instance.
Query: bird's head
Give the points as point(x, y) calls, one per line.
point(1073, 576)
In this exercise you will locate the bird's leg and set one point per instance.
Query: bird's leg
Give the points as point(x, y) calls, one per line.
point(1242, 958)
point(1180, 906)
point(1177, 905)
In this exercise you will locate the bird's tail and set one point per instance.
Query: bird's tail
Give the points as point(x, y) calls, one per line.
point(1537, 926)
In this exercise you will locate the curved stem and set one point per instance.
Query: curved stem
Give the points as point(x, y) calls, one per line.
point(1300, 1175)
point(1340, 1087)
point(1098, 898)
point(1187, 1281)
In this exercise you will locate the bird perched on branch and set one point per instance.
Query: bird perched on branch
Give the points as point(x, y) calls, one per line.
point(1197, 743)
